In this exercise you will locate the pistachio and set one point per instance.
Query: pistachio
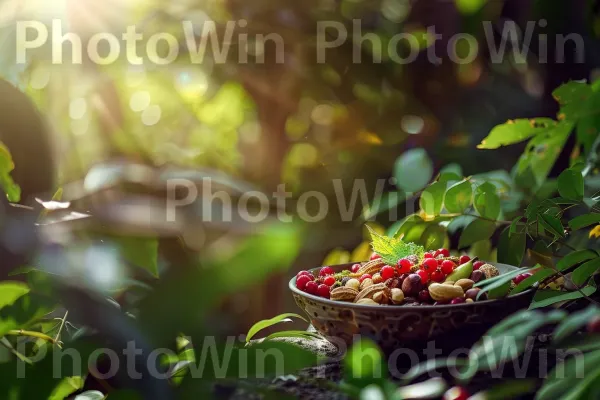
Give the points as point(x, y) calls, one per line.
point(377, 278)
point(465, 284)
point(353, 284)
point(397, 296)
point(440, 292)
point(343, 294)
point(366, 283)
point(369, 302)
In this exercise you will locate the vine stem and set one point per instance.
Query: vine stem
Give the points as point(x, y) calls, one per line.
point(60, 328)
point(477, 216)
point(38, 335)
point(560, 274)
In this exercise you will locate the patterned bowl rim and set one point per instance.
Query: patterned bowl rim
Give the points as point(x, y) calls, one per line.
point(394, 308)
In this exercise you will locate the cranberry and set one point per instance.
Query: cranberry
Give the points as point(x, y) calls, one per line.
point(355, 268)
point(477, 265)
point(323, 291)
point(374, 256)
point(448, 267)
point(457, 300)
point(329, 280)
point(303, 273)
point(326, 271)
point(428, 255)
point(311, 287)
point(464, 259)
point(424, 275)
point(365, 276)
point(518, 279)
point(456, 393)
point(436, 254)
point(404, 265)
point(527, 274)
point(594, 325)
point(387, 272)
point(301, 281)
point(424, 296)
point(444, 252)
point(438, 276)
point(430, 265)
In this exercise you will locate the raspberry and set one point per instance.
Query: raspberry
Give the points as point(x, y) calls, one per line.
point(323, 291)
point(301, 282)
point(311, 287)
point(437, 276)
point(424, 276)
point(447, 267)
point(477, 265)
point(355, 268)
point(329, 280)
point(464, 259)
point(387, 272)
point(404, 265)
point(326, 271)
point(430, 264)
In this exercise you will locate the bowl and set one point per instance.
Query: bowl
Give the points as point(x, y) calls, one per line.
point(407, 326)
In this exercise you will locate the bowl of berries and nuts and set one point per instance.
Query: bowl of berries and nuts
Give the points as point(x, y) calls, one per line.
point(423, 295)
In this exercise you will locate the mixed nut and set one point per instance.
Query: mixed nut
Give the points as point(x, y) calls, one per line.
point(435, 278)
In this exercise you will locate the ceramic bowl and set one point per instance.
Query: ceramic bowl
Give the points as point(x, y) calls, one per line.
point(407, 326)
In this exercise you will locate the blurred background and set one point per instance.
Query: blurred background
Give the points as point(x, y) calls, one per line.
point(288, 120)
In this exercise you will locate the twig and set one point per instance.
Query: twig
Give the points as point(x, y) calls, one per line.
point(38, 335)
point(560, 274)
point(9, 346)
point(62, 324)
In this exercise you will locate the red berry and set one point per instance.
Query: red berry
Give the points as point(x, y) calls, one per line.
point(458, 300)
point(365, 276)
point(374, 256)
point(520, 278)
point(424, 296)
point(387, 272)
point(477, 265)
point(323, 290)
point(430, 264)
point(436, 254)
point(594, 325)
point(527, 274)
point(464, 259)
point(303, 273)
point(424, 276)
point(444, 252)
point(437, 276)
point(447, 267)
point(405, 265)
point(329, 280)
point(355, 268)
point(311, 287)
point(428, 255)
point(301, 281)
point(326, 271)
point(456, 393)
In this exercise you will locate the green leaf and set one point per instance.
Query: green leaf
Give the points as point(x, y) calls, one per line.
point(10, 291)
point(434, 237)
point(67, 387)
point(426, 367)
point(257, 327)
point(432, 199)
point(469, 7)
point(511, 248)
point(574, 258)
point(551, 224)
point(452, 168)
point(385, 202)
point(570, 184)
point(572, 92)
point(487, 202)
point(509, 390)
point(458, 197)
point(574, 323)
point(482, 250)
point(543, 150)
point(90, 395)
point(392, 249)
point(477, 230)
point(12, 190)
point(487, 285)
point(365, 362)
point(544, 297)
point(584, 220)
point(141, 252)
point(516, 131)
point(571, 378)
point(585, 271)
point(294, 333)
point(413, 170)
